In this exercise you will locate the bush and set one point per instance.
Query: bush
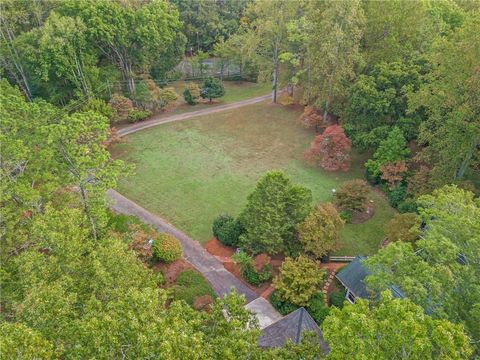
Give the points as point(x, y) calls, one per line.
point(121, 106)
point(166, 248)
point(191, 94)
point(99, 106)
point(298, 280)
point(352, 195)
point(397, 195)
point(190, 285)
point(283, 307)
point(408, 206)
point(138, 115)
point(346, 216)
point(212, 88)
point(337, 298)
point(227, 230)
point(248, 271)
point(317, 308)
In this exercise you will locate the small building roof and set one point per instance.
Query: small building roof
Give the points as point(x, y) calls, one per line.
point(291, 327)
point(353, 275)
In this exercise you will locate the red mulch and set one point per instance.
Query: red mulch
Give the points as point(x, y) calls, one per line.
point(216, 248)
point(171, 271)
point(203, 303)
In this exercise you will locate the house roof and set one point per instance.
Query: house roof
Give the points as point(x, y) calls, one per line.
point(291, 327)
point(353, 275)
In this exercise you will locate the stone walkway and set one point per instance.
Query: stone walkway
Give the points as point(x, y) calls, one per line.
point(213, 270)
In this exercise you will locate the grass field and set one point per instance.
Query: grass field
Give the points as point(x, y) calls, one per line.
point(189, 172)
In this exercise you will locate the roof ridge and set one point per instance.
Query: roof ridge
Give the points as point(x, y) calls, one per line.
point(299, 328)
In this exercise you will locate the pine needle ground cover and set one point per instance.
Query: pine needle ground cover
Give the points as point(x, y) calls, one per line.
point(188, 172)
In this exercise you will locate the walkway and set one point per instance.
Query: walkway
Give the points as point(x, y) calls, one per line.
point(163, 120)
point(220, 279)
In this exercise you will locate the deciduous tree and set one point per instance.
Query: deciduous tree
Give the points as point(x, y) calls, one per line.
point(352, 195)
point(403, 227)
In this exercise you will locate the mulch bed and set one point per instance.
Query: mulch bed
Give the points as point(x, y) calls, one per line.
point(171, 271)
point(359, 217)
point(216, 248)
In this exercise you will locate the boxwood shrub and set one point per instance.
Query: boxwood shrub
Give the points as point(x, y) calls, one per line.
point(227, 229)
point(166, 248)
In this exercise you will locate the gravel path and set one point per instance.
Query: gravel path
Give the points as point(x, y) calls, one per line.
point(220, 279)
point(163, 120)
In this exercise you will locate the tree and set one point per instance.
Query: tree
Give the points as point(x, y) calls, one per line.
point(438, 273)
point(20, 341)
point(122, 107)
point(393, 172)
point(227, 229)
point(334, 33)
point(449, 96)
point(392, 329)
point(403, 227)
point(352, 195)
point(191, 94)
point(212, 88)
point(330, 149)
point(393, 148)
point(298, 280)
point(272, 212)
point(319, 233)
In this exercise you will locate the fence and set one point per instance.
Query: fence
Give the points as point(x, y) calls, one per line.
point(341, 258)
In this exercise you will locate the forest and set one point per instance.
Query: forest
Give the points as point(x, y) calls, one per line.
point(388, 87)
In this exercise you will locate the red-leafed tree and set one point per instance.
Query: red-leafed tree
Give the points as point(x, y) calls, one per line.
point(393, 172)
point(331, 150)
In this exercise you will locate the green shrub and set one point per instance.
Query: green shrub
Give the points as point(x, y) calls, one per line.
point(190, 285)
point(283, 307)
point(121, 223)
point(166, 248)
point(352, 195)
point(227, 229)
point(346, 216)
point(138, 115)
point(397, 195)
point(212, 88)
point(407, 206)
point(337, 298)
point(191, 94)
point(317, 308)
point(248, 271)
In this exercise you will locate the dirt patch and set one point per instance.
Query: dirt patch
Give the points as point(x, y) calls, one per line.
point(171, 271)
point(359, 217)
point(216, 248)
point(203, 303)
point(260, 261)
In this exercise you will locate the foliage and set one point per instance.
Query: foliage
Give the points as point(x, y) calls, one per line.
point(392, 328)
point(273, 210)
point(317, 308)
point(248, 270)
point(392, 149)
point(319, 233)
point(227, 229)
point(20, 339)
point(403, 227)
point(212, 88)
point(352, 195)
point(191, 285)
point(432, 274)
point(122, 107)
point(191, 94)
point(337, 299)
point(346, 216)
point(310, 118)
point(331, 149)
point(397, 195)
point(166, 248)
point(298, 280)
point(393, 172)
point(151, 97)
point(282, 306)
point(138, 115)
point(98, 106)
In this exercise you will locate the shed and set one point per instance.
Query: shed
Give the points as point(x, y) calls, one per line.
point(291, 327)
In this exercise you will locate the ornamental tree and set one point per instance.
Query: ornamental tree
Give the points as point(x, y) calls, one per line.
point(272, 212)
point(352, 195)
point(330, 150)
point(392, 329)
point(212, 88)
point(403, 227)
point(298, 280)
point(393, 172)
point(319, 233)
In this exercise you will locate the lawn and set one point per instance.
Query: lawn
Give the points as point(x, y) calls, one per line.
point(189, 172)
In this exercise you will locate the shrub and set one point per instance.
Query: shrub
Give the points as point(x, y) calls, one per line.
point(248, 271)
point(298, 280)
point(397, 195)
point(99, 106)
point(191, 285)
point(283, 307)
point(166, 248)
point(122, 107)
point(227, 229)
point(212, 88)
point(138, 115)
point(317, 308)
point(191, 94)
point(403, 227)
point(407, 206)
point(330, 150)
point(337, 298)
point(311, 118)
point(352, 195)
point(346, 216)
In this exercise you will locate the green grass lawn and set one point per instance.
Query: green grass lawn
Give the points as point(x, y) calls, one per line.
point(189, 172)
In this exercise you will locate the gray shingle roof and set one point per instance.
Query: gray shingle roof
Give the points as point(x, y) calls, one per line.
point(291, 327)
point(353, 275)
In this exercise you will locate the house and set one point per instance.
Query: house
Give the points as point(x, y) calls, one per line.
point(291, 327)
point(352, 277)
